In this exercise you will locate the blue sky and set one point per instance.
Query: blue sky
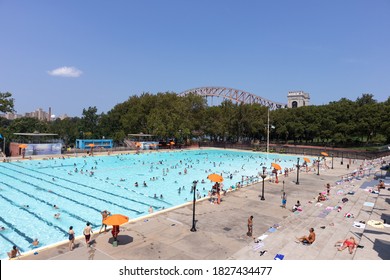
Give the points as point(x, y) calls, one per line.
point(74, 54)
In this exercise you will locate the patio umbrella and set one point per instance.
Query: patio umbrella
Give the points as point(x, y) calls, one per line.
point(91, 145)
point(276, 166)
point(306, 159)
point(215, 178)
point(23, 146)
point(324, 154)
point(116, 220)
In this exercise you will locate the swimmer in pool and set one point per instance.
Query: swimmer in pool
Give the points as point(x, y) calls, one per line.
point(35, 243)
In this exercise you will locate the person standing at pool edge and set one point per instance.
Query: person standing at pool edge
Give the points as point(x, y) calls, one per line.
point(105, 214)
point(284, 200)
point(71, 238)
point(87, 233)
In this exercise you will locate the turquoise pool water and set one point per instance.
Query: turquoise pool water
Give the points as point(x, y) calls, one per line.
point(84, 186)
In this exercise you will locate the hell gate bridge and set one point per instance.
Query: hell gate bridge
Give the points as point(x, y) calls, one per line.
point(235, 95)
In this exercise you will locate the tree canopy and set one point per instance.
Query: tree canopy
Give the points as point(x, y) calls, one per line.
point(188, 118)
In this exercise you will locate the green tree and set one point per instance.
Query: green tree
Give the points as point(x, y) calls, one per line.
point(6, 102)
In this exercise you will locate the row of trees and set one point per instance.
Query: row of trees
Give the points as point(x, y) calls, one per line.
point(167, 115)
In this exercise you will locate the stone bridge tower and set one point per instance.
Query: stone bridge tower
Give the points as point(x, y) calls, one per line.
point(297, 99)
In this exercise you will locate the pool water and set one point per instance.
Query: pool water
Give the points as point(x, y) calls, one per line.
point(82, 187)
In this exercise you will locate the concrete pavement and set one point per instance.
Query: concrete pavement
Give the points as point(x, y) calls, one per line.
point(221, 229)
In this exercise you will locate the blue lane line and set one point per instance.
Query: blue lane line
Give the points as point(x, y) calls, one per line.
point(65, 197)
point(10, 241)
point(47, 203)
point(86, 186)
point(10, 226)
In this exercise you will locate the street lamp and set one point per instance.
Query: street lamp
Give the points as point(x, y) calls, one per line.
point(263, 176)
point(298, 166)
point(332, 159)
point(193, 229)
point(318, 168)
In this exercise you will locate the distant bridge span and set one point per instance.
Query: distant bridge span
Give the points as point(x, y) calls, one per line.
point(234, 95)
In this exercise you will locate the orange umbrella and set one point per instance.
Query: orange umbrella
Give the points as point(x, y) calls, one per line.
point(215, 178)
point(91, 145)
point(116, 220)
point(324, 154)
point(23, 146)
point(306, 159)
point(276, 166)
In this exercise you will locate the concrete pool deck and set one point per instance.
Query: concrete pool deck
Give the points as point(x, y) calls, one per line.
point(221, 229)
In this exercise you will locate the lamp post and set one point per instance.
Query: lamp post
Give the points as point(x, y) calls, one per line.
point(263, 176)
point(193, 229)
point(332, 159)
point(298, 166)
point(4, 147)
point(318, 168)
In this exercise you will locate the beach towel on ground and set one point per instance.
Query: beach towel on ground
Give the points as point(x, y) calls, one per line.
point(359, 225)
point(262, 237)
point(279, 257)
point(369, 204)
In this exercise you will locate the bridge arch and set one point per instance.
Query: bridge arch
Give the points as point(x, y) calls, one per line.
point(235, 95)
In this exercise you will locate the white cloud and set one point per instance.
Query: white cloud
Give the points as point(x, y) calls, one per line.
point(66, 72)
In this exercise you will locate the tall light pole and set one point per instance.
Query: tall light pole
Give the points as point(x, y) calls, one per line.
point(318, 167)
point(298, 166)
point(332, 159)
point(263, 177)
point(193, 229)
point(4, 146)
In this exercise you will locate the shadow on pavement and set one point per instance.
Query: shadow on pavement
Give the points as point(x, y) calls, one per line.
point(383, 249)
point(122, 239)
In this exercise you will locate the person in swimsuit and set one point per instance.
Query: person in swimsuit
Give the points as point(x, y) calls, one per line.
point(115, 231)
point(14, 252)
point(349, 243)
point(308, 239)
point(105, 214)
point(71, 238)
point(250, 226)
point(87, 233)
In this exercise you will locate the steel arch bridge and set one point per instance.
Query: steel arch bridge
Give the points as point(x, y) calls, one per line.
point(234, 95)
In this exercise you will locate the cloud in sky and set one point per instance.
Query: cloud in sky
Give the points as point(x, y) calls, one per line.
point(65, 71)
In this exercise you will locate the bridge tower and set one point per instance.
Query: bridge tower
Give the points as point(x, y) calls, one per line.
point(297, 99)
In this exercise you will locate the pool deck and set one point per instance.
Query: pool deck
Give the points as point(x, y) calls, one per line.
point(221, 229)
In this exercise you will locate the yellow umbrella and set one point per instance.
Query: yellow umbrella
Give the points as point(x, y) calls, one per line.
point(324, 154)
point(215, 178)
point(276, 166)
point(23, 146)
point(116, 220)
point(306, 159)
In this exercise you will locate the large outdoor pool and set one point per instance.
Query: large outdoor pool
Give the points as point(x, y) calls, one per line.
point(82, 187)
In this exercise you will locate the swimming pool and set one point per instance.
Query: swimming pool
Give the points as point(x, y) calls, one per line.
point(82, 187)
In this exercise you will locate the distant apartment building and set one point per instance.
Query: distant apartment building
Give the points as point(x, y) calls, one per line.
point(38, 114)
